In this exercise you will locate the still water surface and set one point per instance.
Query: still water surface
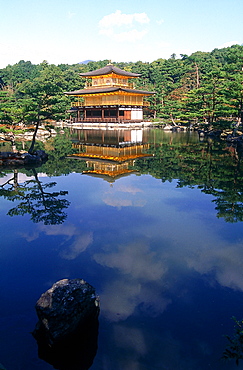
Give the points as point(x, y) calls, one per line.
point(167, 268)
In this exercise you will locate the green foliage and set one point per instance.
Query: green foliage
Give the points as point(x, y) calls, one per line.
point(62, 145)
point(235, 347)
point(223, 124)
point(202, 87)
point(43, 96)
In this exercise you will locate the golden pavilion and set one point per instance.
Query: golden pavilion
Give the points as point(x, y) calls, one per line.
point(109, 96)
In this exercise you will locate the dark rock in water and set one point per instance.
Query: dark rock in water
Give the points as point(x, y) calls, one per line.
point(75, 352)
point(67, 330)
point(17, 159)
point(65, 307)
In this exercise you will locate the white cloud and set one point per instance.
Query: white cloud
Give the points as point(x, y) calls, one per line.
point(134, 259)
point(227, 44)
point(74, 243)
point(80, 244)
point(124, 196)
point(71, 15)
point(32, 235)
point(110, 25)
point(120, 19)
point(128, 189)
point(130, 338)
point(69, 230)
point(120, 200)
point(137, 266)
point(120, 298)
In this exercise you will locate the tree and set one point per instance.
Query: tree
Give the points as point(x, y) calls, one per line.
point(235, 347)
point(45, 97)
point(18, 73)
point(201, 87)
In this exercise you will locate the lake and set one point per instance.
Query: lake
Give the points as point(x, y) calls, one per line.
point(153, 221)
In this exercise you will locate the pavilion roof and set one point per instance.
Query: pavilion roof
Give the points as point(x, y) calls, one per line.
point(108, 90)
point(108, 176)
point(109, 158)
point(109, 68)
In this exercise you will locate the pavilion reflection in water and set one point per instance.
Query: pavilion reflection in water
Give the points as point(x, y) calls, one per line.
point(110, 154)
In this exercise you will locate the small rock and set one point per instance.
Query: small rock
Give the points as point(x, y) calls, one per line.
point(64, 307)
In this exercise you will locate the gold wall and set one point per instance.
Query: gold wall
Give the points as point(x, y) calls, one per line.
point(113, 100)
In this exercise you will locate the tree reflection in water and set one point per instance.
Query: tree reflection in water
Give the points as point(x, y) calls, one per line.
point(35, 199)
point(212, 166)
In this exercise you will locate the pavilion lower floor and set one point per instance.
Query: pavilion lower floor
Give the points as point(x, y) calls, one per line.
point(99, 120)
point(116, 114)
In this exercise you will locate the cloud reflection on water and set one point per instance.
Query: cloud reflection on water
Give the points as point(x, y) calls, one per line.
point(171, 236)
point(124, 196)
point(174, 244)
point(74, 241)
point(136, 266)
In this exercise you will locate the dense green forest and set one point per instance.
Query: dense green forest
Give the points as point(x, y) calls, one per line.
point(205, 87)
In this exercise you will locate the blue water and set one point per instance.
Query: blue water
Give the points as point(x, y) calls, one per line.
point(169, 273)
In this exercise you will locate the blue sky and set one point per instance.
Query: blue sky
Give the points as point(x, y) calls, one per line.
point(70, 31)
